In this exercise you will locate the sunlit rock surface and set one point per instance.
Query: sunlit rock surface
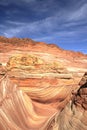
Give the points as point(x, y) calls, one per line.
point(42, 87)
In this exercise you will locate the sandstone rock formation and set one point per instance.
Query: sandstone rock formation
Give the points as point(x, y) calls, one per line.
point(42, 87)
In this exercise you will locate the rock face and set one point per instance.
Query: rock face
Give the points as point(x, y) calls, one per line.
point(42, 87)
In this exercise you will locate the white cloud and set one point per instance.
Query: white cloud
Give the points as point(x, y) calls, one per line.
point(15, 22)
point(38, 26)
point(79, 14)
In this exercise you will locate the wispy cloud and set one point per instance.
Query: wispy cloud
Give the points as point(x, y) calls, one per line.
point(79, 14)
point(58, 21)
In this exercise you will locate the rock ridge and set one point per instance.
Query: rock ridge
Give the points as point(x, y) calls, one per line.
point(42, 87)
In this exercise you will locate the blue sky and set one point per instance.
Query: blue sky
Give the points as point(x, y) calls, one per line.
point(63, 22)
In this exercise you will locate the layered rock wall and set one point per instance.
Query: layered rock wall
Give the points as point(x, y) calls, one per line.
point(42, 87)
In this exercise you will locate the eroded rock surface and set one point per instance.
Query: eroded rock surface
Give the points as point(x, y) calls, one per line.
point(42, 87)
point(74, 115)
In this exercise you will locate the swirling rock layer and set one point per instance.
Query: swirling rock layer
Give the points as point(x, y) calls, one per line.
point(42, 87)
